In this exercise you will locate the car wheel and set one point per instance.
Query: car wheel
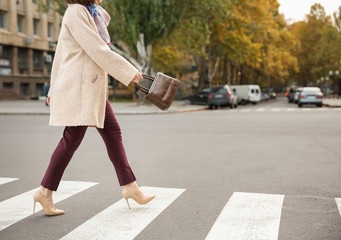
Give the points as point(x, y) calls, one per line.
point(210, 106)
point(319, 105)
point(299, 105)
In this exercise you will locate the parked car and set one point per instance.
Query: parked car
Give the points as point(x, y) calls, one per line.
point(222, 97)
point(247, 93)
point(201, 98)
point(310, 95)
point(297, 94)
point(273, 95)
point(291, 94)
point(264, 97)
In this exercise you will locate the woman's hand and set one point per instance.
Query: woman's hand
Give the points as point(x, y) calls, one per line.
point(138, 78)
point(48, 101)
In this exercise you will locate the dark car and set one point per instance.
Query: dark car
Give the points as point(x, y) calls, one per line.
point(221, 97)
point(291, 94)
point(201, 98)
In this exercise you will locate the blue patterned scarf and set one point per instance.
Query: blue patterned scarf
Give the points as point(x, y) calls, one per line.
point(102, 19)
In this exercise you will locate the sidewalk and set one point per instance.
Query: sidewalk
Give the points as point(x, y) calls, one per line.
point(332, 102)
point(37, 107)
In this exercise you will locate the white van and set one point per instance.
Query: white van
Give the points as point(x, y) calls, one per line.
point(247, 93)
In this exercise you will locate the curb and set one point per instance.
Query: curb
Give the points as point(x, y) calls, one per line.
point(331, 106)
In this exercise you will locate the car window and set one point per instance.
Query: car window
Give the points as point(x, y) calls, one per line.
point(311, 90)
point(252, 90)
point(257, 91)
point(219, 90)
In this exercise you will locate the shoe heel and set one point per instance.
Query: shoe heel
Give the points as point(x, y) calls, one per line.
point(127, 202)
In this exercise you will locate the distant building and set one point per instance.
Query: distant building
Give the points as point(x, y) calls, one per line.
point(27, 44)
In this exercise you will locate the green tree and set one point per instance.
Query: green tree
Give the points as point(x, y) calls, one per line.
point(137, 25)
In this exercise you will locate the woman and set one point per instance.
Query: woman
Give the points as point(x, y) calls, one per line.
point(78, 97)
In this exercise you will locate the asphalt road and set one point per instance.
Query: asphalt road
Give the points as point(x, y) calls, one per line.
point(272, 148)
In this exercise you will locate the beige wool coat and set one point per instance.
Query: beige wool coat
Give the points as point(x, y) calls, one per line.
point(79, 84)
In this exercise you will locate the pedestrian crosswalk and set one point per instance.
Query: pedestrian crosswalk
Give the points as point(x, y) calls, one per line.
point(245, 216)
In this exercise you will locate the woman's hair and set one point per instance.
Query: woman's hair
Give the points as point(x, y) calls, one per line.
point(84, 2)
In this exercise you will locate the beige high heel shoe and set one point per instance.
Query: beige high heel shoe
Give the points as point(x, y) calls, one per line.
point(39, 197)
point(126, 194)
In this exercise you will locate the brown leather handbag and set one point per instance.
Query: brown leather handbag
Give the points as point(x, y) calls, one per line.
point(162, 91)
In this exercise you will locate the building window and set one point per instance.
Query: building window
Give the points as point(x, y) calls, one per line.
point(7, 51)
point(21, 19)
point(7, 85)
point(37, 60)
point(22, 59)
point(49, 62)
point(36, 26)
point(40, 89)
point(24, 89)
point(50, 30)
point(5, 60)
point(3, 19)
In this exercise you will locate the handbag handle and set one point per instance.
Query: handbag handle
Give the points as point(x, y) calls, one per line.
point(144, 89)
point(151, 78)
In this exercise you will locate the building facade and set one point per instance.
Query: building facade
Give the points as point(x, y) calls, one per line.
point(28, 38)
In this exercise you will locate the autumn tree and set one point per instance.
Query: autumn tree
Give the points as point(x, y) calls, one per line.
point(320, 46)
point(337, 19)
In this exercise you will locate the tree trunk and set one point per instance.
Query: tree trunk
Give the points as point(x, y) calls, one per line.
point(144, 54)
point(213, 72)
point(241, 74)
point(202, 71)
point(224, 72)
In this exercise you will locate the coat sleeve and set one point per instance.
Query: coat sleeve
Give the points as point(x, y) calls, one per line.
point(89, 40)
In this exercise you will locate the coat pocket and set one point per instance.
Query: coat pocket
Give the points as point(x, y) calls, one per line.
point(91, 97)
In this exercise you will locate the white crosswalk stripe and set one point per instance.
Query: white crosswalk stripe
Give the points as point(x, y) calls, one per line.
point(117, 222)
point(21, 206)
point(248, 216)
point(338, 203)
point(7, 180)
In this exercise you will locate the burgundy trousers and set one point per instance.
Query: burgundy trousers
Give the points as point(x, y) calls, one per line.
point(73, 136)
